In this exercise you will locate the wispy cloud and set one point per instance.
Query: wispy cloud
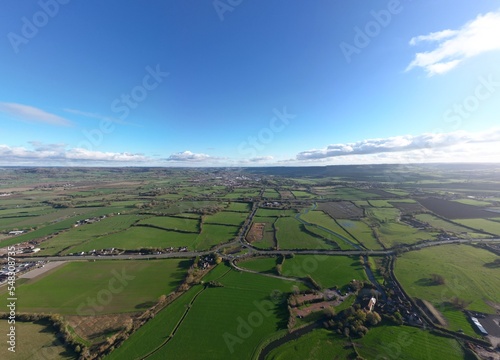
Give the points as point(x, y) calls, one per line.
point(188, 156)
point(454, 46)
point(33, 114)
point(97, 116)
point(400, 144)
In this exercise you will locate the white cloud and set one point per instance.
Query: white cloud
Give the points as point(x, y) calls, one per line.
point(33, 114)
point(435, 36)
point(261, 159)
point(59, 154)
point(188, 156)
point(404, 145)
point(454, 46)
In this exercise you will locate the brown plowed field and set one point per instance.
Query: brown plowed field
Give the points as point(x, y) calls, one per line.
point(341, 209)
point(453, 210)
point(407, 208)
point(256, 232)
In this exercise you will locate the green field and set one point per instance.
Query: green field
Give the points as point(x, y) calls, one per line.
point(212, 320)
point(303, 194)
point(86, 233)
point(138, 237)
point(291, 234)
point(333, 240)
point(492, 227)
point(67, 290)
point(215, 234)
point(274, 212)
point(469, 274)
point(271, 194)
point(362, 232)
point(473, 202)
point(59, 226)
point(393, 234)
point(328, 271)
point(449, 226)
point(383, 214)
point(34, 341)
point(263, 264)
point(238, 207)
point(321, 219)
point(173, 223)
point(155, 332)
point(318, 344)
point(226, 218)
point(405, 342)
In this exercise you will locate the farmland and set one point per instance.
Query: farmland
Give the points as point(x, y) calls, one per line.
point(453, 210)
point(163, 231)
point(416, 344)
point(173, 223)
point(291, 234)
point(213, 318)
point(139, 283)
point(42, 342)
point(318, 344)
point(328, 271)
point(341, 209)
point(467, 276)
point(492, 227)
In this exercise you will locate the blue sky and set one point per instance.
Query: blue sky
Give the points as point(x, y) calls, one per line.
point(248, 83)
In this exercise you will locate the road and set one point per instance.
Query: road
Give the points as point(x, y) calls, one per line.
point(189, 254)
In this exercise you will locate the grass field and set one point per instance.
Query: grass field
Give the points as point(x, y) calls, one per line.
point(81, 234)
point(468, 272)
point(156, 331)
point(213, 320)
point(318, 344)
point(271, 194)
point(291, 235)
point(393, 234)
point(331, 239)
point(34, 341)
point(264, 264)
point(489, 226)
point(67, 290)
point(473, 202)
point(439, 223)
point(215, 234)
point(59, 226)
point(362, 232)
point(226, 218)
point(383, 214)
point(173, 223)
point(238, 207)
point(303, 194)
point(321, 219)
point(274, 212)
point(138, 237)
point(328, 271)
point(404, 342)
